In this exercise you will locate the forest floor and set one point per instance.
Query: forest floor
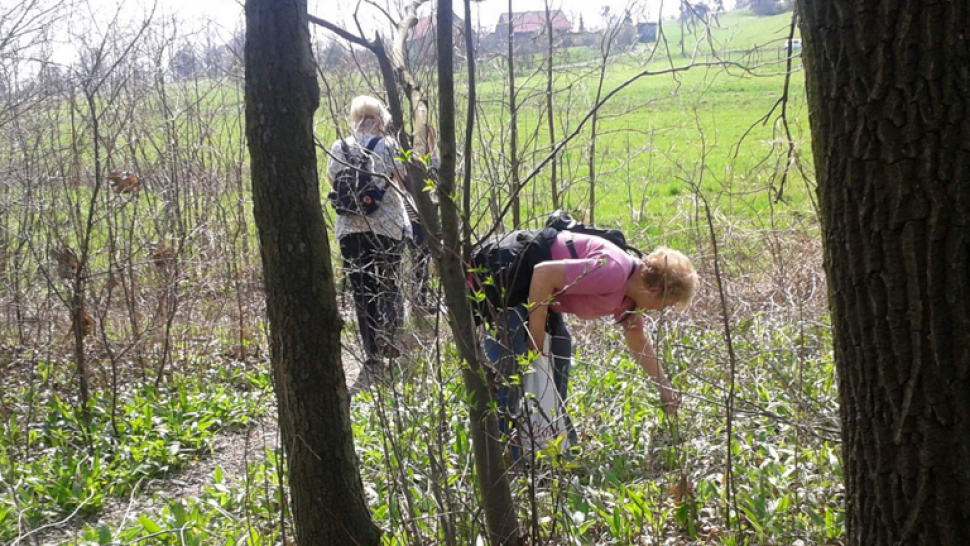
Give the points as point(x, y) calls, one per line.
point(230, 456)
point(231, 452)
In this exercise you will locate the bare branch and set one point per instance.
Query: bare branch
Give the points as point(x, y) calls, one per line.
point(353, 38)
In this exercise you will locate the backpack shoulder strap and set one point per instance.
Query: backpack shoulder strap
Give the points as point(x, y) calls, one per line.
point(571, 244)
point(372, 143)
point(633, 250)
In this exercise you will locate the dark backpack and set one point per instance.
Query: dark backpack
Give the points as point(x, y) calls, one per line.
point(355, 190)
point(562, 221)
point(502, 267)
point(502, 264)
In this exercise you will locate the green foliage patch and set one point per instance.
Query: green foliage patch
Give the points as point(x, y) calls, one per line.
point(54, 465)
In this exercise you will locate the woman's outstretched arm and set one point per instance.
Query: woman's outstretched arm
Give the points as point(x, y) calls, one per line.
point(642, 350)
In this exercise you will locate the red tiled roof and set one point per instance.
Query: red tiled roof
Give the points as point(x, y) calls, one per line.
point(535, 21)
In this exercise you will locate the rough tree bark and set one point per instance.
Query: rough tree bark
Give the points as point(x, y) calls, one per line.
point(888, 87)
point(281, 96)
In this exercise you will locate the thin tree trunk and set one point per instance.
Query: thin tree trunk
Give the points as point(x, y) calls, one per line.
point(500, 516)
point(81, 320)
point(591, 164)
point(554, 183)
point(444, 234)
point(469, 133)
point(888, 85)
point(281, 96)
point(513, 130)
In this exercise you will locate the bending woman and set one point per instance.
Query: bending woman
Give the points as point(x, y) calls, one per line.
point(593, 279)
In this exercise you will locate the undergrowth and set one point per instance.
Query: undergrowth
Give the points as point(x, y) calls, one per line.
point(52, 465)
point(639, 477)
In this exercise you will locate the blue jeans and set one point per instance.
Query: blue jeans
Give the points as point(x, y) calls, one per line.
point(506, 343)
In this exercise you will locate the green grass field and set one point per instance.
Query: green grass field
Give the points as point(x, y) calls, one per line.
point(653, 134)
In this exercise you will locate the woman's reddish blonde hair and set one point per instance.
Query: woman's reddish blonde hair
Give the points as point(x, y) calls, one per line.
point(672, 272)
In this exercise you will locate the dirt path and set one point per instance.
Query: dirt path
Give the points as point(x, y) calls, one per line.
point(231, 451)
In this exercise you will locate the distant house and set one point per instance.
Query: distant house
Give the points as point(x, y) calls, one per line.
point(527, 25)
point(647, 33)
point(423, 38)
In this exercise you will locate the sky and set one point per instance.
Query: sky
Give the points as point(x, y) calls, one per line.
point(227, 14)
point(225, 17)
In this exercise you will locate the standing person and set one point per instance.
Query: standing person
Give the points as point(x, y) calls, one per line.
point(372, 241)
point(556, 273)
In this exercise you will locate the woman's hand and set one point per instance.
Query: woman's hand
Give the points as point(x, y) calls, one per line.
point(671, 403)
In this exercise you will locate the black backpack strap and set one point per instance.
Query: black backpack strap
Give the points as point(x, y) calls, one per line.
point(571, 244)
point(347, 152)
point(371, 144)
point(628, 314)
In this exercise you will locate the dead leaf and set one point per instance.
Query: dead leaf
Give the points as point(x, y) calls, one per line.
point(123, 182)
point(112, 281)
point(164, 259)
point(67, 263)
point(87, 322)
point(684, 489)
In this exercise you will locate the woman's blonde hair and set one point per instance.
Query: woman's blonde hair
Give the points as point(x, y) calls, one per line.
point(672, 272)
point(367, 114)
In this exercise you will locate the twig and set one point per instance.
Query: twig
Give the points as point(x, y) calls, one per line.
point(81, 505)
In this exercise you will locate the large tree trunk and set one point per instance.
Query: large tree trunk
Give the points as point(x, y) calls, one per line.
point(888, 87)
point(281, 96)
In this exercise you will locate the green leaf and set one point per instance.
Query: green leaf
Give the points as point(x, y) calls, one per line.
point(149, 525)
point(104, 534)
